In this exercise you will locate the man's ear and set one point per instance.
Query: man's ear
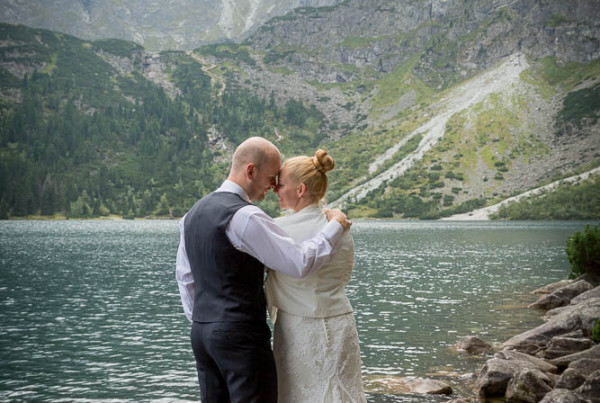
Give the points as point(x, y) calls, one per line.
point(250, 171)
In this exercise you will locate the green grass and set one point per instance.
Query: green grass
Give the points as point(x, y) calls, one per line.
point(393, 85)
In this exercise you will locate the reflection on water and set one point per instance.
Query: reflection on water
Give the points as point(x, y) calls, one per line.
point(90, 309)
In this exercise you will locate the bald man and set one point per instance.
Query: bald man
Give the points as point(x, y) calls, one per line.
point(225, 243)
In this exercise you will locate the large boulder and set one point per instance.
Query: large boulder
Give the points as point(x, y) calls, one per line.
point(569, 319)
point(586, 366)
point(570, 379)
point(401, 385)
point(562, 296)
point(562, 396)
point(498, 371)
point(528, 386)
point(561, 346)
point(590, 390)
point(593, 293)
point(591, 353)
point(550, 288)
point(472, 345)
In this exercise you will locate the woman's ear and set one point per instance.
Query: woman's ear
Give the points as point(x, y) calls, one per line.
point(301, 190)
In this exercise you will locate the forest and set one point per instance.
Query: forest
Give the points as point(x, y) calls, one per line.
point(85, 141)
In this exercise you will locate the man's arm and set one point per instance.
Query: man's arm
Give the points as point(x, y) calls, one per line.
point(183, 274)
point(254, 232)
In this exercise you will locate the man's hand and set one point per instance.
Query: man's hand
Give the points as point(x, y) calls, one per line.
point(336, 214)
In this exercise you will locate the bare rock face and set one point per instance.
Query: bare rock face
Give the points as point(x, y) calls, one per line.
point(570, 379)
point(472, 345)
point(528, 386)
point(561, 346)
point(562, 396)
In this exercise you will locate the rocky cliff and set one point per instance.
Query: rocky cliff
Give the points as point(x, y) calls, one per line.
point(451, 39)
point(179, 24)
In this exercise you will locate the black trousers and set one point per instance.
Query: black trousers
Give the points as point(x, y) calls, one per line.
point(235, 362)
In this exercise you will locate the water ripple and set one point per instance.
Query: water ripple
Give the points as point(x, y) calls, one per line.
point(90, 310)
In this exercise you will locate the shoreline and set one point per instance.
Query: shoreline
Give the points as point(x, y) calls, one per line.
point(554, 362)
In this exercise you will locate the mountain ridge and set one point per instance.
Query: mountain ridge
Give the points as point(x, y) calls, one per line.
point(183, 25)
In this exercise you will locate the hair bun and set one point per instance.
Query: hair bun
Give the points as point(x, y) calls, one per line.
point(323, 161)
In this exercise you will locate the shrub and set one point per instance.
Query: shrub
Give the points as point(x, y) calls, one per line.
point(596, 331)
point(583, 251)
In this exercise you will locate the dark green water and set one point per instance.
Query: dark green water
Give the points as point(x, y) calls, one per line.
point(89, 310)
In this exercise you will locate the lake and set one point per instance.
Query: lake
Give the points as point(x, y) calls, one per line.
point(90, 309)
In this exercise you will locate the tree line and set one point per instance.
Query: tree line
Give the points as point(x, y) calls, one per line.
point(84, 140)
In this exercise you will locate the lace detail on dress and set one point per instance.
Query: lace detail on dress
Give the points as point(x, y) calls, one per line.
point(318, 359)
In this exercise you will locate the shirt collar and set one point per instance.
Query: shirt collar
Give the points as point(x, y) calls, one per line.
point(232, 187)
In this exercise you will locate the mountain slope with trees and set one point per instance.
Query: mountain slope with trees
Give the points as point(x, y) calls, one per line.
point(95, 128)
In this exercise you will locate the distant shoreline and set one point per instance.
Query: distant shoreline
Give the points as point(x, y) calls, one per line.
point(63, 217)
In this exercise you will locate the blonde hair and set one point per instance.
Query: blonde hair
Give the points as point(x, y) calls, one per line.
point(312, 171)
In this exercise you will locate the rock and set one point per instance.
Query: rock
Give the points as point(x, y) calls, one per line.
point(528, 386)
point(562, 396)
point(530, 361)
point(586, 366)
point(550, 288)
point(465, 400)
point(498, 371)
point(562, 296)
point(570, 379)
point(593, 293)
point(430, 387)
point(565, 361)
point(400, 385)
point(561, 346)
point(472, 345)
point(548, 302)
point(572, 318)
point(591, 388)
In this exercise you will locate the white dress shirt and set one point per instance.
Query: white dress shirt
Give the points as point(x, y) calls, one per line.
point(252, 231)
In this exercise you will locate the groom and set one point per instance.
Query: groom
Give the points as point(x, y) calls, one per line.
point(225, 243)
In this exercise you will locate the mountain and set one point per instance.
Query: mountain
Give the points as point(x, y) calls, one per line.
point(430, 108)
point(155, 24)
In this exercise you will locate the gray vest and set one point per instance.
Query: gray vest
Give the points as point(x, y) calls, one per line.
point(228, 284)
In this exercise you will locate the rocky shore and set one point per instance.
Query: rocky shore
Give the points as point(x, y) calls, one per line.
point(556, 362)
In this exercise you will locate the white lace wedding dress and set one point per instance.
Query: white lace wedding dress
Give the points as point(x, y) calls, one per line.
point(318, 359)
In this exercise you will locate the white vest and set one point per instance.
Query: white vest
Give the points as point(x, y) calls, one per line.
point(321, 294)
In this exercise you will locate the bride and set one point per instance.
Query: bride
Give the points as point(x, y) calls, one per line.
point(315, 339)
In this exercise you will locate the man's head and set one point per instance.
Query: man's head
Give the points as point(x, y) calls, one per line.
point(255, 166)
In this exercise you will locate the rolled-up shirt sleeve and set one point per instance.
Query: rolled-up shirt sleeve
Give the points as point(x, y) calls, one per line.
point(183, 275)
point(252, 231)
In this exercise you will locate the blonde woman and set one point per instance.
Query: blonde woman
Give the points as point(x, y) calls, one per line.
point(315, 339)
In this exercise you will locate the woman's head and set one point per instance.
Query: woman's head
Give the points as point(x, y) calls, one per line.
point(303, 180)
